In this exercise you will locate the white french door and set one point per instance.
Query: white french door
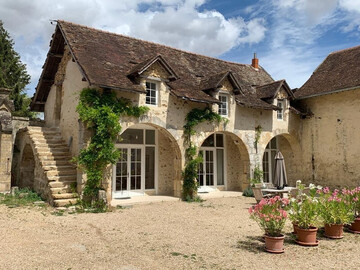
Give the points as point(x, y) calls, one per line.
point(129, 172)
point(207, 172)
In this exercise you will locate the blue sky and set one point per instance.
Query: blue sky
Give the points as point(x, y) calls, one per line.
point(291, 37)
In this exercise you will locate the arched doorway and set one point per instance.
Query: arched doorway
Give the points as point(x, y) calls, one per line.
point(289, 148)
point(150, 163)
point(225, 163)
point(27, 168)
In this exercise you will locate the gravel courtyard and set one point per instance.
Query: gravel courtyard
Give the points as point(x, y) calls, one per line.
point(215, 234)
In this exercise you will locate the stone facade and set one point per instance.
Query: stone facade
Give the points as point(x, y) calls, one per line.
point(168, 118)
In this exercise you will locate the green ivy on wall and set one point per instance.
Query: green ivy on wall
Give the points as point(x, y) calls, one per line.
point(192, 160)
point(101, 112)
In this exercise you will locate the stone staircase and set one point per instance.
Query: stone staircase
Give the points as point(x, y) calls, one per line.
point(54, 158)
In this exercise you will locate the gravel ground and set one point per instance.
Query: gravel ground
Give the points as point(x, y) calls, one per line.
point(215, 234)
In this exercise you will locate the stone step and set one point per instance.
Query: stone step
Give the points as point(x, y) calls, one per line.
point(60, 168)
point(57, 196)
point(52, 149)
point(60, 173)
point(62, 190)
point(65, 178)
point(61, 162)
point(62, 184)
point(51, 145)
point(56, 157)
point(46, 137)
point(64, 202)
point(53, 152)
point(48, 141)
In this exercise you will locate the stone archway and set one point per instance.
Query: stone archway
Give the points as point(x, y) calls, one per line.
point(27, 168)
point(290, 149)
point(150, 163)
point(231, 159)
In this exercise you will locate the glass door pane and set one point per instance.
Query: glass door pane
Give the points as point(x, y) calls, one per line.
point(149, 167)
point(209, 167)
point(200, 178)
point(266, 166)
point(135, 169)
point(220, 166)
point(122, 171)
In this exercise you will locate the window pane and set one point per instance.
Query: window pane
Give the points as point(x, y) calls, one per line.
point(209, 141)
point(149, 167)
point(132, 136)
point(150, 136)
point(223, 105)
point(220, 166)
point(151, 93)
point(219, 140)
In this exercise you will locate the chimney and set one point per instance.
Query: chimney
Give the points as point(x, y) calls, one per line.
point(255, 62)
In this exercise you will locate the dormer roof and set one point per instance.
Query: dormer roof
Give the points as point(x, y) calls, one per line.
point(269, 91)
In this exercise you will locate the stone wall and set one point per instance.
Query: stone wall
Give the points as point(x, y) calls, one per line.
point(330, 139)
point(168, 116)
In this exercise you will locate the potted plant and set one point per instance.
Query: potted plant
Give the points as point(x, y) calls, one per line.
point(336, 211)
point(271, 216)
point(354, 200)
point(303, 212)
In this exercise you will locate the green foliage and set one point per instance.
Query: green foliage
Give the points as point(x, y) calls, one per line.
point(101, 113)
point(248, 192)
point(22, 197)
point(193, 118)
point(13, 74)
point(258, 176)
point(258, 131)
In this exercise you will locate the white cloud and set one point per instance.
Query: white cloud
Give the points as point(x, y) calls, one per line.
point(177, 23)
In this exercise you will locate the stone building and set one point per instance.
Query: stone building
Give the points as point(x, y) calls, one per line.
point(263, 117)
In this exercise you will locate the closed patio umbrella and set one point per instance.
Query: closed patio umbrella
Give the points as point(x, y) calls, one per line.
point(280, 179)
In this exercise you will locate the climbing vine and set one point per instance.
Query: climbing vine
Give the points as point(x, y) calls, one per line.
point(101, 113)
point(192, 160)
point(258, 131)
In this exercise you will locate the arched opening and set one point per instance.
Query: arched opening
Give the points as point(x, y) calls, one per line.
point(150, 163)
point(27, 168)
point(289, 148)
point(225, 163)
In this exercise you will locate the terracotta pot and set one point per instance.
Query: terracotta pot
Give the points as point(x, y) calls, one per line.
point(334, 231)
point(274, 244)
point(355, 226)
point(307, 237)
point(295, 227)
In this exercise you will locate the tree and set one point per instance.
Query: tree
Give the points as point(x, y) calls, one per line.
point(13, 74)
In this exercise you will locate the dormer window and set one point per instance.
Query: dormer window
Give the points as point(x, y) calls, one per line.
point(224, 105)
point(151, 93)
point(281, 105)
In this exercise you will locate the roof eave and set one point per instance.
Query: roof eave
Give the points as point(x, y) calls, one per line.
point(329, 92)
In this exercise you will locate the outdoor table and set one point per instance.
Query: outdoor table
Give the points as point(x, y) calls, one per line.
point(276, 191)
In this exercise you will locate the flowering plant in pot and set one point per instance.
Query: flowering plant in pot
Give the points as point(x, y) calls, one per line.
point(354, 200)
point(303, 211)
point(271, 216)
point(336, 211)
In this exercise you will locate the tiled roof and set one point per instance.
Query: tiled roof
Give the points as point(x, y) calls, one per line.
point(269, 91)
point(107, 60)
point(339, 71)
point(248, 98)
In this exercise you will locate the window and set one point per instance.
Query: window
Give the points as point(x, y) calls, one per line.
point(223, 106)
point(151, 93)
point(280, 113)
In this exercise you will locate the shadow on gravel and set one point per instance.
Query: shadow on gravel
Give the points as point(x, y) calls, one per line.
point(253, 244)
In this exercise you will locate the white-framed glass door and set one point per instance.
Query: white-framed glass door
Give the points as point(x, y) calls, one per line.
point(211, 172)
point(269, 160)
point(129, 172)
